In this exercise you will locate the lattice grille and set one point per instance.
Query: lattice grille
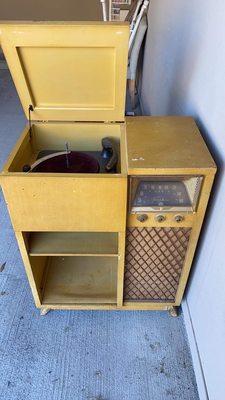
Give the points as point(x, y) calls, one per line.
point(154, 261)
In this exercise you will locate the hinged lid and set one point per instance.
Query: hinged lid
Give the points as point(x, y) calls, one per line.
point(68, 71)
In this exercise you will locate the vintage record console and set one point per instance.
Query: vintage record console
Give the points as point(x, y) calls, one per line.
point(86, 241)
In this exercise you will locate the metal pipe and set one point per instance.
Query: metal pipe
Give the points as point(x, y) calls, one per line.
point(104, 12)
point(134, 31)
point(139, 3)
point(110, 10)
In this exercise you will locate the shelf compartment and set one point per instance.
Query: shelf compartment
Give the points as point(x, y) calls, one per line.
point(73, 244)
point(80, 280)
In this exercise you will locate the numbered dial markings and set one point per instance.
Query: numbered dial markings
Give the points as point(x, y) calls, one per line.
point(161, 194)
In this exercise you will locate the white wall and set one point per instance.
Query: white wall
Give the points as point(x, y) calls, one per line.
point(184, 73)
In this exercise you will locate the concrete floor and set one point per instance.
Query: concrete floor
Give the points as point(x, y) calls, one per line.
point(79, 355)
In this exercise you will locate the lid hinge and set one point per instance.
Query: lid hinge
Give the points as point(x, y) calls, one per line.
point(30, 109)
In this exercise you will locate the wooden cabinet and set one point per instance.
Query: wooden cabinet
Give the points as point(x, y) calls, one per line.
point(83, 244)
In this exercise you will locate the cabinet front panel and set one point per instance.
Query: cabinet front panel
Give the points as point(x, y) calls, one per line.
point(66, 203)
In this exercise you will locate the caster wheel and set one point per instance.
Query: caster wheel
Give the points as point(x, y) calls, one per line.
point(173, 311)
point(44, 311)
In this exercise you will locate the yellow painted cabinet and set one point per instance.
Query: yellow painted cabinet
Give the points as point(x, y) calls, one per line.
point(89, 241)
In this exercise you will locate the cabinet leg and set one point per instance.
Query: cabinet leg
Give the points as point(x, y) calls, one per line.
point(173, 311)
point(44, 311)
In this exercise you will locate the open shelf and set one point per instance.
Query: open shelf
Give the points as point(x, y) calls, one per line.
point(73, 244)
point(80, 280)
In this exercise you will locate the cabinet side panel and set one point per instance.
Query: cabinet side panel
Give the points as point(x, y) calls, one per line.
point(34, 270)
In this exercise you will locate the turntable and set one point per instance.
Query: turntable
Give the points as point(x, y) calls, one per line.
point(89, 162)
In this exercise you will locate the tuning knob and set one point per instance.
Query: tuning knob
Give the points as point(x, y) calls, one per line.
point(142, 217)
point(160, 218)
point(179, 218)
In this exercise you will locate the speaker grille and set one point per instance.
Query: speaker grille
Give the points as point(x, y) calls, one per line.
point(154, 262)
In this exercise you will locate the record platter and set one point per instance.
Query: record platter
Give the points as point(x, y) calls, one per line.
point(92, 162)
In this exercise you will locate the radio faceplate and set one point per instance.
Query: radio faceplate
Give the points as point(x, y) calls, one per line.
point(164, 193)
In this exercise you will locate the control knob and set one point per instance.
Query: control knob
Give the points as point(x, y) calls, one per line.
point(160, 218)
point(179, 218)
point(142, 217)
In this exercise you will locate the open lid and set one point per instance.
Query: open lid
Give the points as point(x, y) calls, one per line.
point(68, 71)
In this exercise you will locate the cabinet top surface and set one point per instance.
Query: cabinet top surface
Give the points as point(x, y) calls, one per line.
point(68, 71)
point(51, 10)
point(165, 143)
